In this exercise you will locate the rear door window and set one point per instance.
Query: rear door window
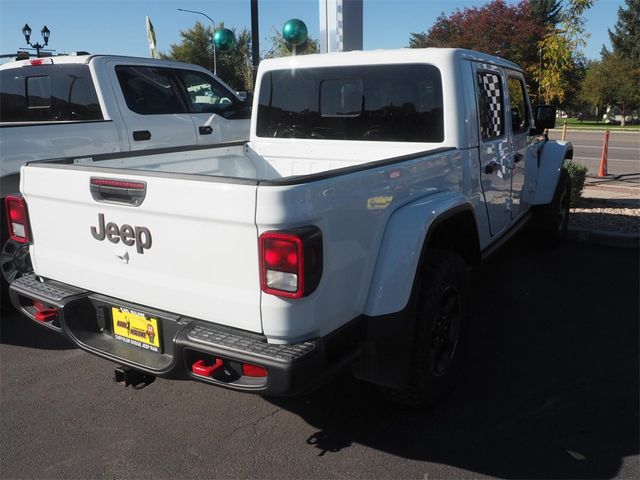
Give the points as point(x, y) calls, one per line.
point(48, 93)
point(150, 90)
point(491, 105)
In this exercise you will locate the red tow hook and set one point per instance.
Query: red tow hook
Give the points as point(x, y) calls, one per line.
point(44, 314)
point(47, 315)
point(201, 368)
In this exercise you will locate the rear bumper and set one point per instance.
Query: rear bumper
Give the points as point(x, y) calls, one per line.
point(85, 318)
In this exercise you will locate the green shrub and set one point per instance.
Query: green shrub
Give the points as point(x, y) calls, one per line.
point(577, 175)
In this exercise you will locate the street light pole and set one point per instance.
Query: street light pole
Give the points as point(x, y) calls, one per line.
point(213, 28)
point(255, 40)
point(45, 32)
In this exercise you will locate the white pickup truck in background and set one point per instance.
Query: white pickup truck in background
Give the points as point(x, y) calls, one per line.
point(340, 234)
point(75, 105)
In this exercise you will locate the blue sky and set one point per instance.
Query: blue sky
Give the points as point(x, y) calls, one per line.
point(118, 26)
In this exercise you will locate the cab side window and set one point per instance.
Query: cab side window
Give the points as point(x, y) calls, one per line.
point(205, 95)
point(491, 105)
point(518, 106)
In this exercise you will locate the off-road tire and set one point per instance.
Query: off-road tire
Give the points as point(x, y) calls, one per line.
point(552, 220)
point(442, 288)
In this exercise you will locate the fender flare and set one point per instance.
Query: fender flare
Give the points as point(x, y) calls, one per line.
point(551, 157)
point(402, 246)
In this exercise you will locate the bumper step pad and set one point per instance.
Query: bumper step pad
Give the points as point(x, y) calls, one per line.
point(232, 342)
point(49, 290)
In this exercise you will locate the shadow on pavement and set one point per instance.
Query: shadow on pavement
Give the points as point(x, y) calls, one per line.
point(16, 329)
point(551, 390)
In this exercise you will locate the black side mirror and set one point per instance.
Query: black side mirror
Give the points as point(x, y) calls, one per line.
point(545, 117)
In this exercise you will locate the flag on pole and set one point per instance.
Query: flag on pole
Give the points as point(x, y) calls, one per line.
point(151, 37)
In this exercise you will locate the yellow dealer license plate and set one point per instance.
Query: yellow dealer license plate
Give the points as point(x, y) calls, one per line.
point(136, 329)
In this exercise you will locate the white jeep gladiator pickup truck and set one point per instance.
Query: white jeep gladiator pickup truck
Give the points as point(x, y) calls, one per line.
point(339, 235)
point(88, 104)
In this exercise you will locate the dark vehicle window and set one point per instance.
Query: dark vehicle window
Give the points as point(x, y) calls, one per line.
point(205, 95)
point(39, 92)
point(370, 102)
point(342, 97)
point(518, 106)
point(491, 105)
point(48, 93)
point(150, 90)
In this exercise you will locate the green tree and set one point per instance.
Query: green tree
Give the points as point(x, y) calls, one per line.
point(196, 46)
point(280, 47)
point(546, 12)
point(625, 38)
point(559, 51)
point(615, 80)
point(497, 28)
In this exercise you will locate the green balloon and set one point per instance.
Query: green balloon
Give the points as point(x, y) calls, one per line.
point(295, 31)
point(224, 39)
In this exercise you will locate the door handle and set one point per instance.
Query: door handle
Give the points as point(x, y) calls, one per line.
point(492, 167)
point(205, 130)
point(141, 135)
point(517, 157)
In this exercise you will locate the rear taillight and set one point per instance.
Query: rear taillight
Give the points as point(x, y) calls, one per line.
point(291, 261)
point(17, 218)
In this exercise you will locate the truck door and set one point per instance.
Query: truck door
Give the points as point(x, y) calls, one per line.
point(495, 149)
point(218, 114)
point(152, 107)
point(524, 152)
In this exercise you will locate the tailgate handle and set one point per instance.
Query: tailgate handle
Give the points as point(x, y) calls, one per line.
point(205, 130)
point(141, 135)
point(122, 192)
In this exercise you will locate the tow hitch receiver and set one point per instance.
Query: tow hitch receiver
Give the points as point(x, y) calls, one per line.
point(201, 368)
point(132, 377)
point(43, 313)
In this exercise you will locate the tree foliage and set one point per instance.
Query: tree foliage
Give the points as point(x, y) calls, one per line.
point(508, 31)
point(625, 39)
point(281, 48)
point(196, 46)
point(614, 80)
point(546, 12)
point(560, 52)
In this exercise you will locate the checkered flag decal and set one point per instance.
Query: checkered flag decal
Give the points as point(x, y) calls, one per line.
point(491, 105)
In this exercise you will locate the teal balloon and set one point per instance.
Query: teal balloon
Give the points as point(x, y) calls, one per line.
point(224, 39)
point(295, 31)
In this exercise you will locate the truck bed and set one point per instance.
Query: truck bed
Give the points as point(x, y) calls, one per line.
point(267, 161)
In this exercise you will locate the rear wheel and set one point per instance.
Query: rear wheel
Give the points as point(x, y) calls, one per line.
point(441, 314)
point(14, 262)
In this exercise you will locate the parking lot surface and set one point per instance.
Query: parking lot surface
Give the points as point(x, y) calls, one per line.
point(551, 391)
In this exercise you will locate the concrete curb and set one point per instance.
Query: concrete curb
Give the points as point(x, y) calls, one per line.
point(607, 239)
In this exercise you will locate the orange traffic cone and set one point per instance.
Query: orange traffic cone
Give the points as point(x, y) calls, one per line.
point(603, 158)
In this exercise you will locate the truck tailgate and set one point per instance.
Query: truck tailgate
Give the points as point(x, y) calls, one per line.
point(189, 248)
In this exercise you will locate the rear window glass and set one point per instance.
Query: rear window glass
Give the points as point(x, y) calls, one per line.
point(38, 91)
point(45, 93)
point(369, 102)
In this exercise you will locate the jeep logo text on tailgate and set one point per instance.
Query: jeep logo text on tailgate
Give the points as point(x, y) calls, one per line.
point(140, 236)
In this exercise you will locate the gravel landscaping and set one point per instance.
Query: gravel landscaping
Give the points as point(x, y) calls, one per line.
point(606, 215)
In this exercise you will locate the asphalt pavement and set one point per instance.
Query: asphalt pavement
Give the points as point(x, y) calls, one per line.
point(623, 153)
point(551, 390)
